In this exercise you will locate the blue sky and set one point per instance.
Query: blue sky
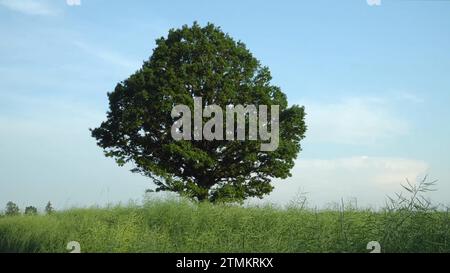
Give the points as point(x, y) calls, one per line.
point(374, 80)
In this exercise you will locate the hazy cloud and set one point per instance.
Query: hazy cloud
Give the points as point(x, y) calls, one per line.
point(353, 121)
point(374, 2)
point(370, 179)
point(409, 97)
point(73, 2)
point(30, 7)
point(107, 55)
point(383, 172)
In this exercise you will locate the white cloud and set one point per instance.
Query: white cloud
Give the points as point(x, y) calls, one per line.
point(353, 121)
point(370, 179)
point(73, 2)
point(382, 172)
point(374, 2)
point(30, 7)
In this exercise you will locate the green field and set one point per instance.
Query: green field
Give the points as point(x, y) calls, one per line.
point(183, 226)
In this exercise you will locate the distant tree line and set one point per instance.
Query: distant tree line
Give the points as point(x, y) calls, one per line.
point(12, 209)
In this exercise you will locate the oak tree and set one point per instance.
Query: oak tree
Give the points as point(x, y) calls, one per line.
point(196, 61)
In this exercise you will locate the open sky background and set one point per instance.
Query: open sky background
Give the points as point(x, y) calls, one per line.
point(375, 81)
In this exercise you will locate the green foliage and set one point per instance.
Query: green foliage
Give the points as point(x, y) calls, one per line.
point(31, 210)
point(405, 214)
point(49, 208)
point(12, 209)
point(182, 226)
point(198, 62)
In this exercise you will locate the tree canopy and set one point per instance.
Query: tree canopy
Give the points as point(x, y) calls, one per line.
point(49, 208)
point(31, 210)
point(190, 62)
point(12, 209)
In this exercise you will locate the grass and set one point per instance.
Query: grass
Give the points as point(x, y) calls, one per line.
point(408, 224)
point(180, 226)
